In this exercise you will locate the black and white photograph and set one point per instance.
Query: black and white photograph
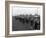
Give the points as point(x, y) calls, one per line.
point(25, 18)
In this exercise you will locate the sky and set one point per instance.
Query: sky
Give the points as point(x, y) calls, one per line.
point(20, 10)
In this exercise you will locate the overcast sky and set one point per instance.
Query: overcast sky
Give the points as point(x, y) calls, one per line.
point(17, 10)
